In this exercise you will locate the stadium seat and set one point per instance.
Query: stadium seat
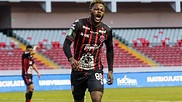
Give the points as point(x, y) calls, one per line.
point(55, 44)
point(2, 44)
point(179, 42)
point(134, 43)
point(12, 44)
point(163, 42)
point(40, 44)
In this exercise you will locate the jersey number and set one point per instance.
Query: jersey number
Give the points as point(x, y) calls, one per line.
point(99, 77)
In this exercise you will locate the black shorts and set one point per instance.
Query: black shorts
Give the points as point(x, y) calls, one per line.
point(80, 81)
point(27, 79)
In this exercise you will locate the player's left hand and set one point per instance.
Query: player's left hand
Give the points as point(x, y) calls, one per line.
point(110, 78)
point(38, 75)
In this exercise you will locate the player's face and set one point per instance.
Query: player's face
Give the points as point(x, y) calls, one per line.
point(29, 50)
point(97, 13)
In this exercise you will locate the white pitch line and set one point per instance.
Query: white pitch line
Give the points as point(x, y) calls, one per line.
point(37, 99)
point(42, 99)
point(142, 101)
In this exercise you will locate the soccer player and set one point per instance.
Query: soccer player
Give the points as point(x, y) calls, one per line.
point(27, 66)
point(89, 35)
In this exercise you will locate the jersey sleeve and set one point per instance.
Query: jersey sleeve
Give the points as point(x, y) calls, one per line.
point(73, 30)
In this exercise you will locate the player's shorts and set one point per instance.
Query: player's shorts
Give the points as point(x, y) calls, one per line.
point(27, 79)
point(80, 81)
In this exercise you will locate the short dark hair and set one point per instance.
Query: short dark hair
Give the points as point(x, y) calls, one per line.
point(29, 46)
point(96, 2)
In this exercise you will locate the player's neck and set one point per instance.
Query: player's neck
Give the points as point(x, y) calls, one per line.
point(93, 23)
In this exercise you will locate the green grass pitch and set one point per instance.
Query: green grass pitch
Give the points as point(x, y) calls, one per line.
point(157, 94)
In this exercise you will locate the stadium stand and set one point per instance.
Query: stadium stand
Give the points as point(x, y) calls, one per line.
point(50, 44)
point(43, 38)
point(10, 59)
point(164, 55)
point(6, 42)
point(10, 55)
point(161, 45)
point(149, 37)
point(56, 55)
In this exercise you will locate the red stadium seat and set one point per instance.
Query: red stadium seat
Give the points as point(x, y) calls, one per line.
point(29, 38)
point(64, 33)
point(134, 43)
point(12, 44)
point(163, 42)
point(179, 42)
point(147, 43)
point(55, 44)
point(40, 44)
point(3, 44)
point(45, 40)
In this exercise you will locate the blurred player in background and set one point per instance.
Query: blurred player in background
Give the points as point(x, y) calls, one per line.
point(88, 35)
point(27, 66)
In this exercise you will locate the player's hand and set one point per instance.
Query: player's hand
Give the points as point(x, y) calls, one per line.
point(38, 75)
point(110, 78)
point(35, 47)
point(34, 50)
point(74, 63)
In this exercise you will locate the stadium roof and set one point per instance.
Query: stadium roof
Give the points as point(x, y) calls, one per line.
point(111, 4)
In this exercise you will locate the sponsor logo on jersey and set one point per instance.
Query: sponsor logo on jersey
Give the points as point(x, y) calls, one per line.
point(90, 47)
point(101, 31)
point(85, 35)
point(94, 32)
point(87, 61)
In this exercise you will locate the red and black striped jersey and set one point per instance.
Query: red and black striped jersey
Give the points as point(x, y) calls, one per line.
point(88, 41)
point(27, 63)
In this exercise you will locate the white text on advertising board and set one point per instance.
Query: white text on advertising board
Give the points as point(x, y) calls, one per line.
point(54, 82)
point(126, 81)
point(10, 83)
point(164, 78)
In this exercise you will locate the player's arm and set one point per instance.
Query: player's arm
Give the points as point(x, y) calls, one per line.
point(67, 51)
point(67, 44)
point(36, 70)
point(110, 56)
point(34, 50)
point(67, 48)
point(69, 39)
point(110, 51)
